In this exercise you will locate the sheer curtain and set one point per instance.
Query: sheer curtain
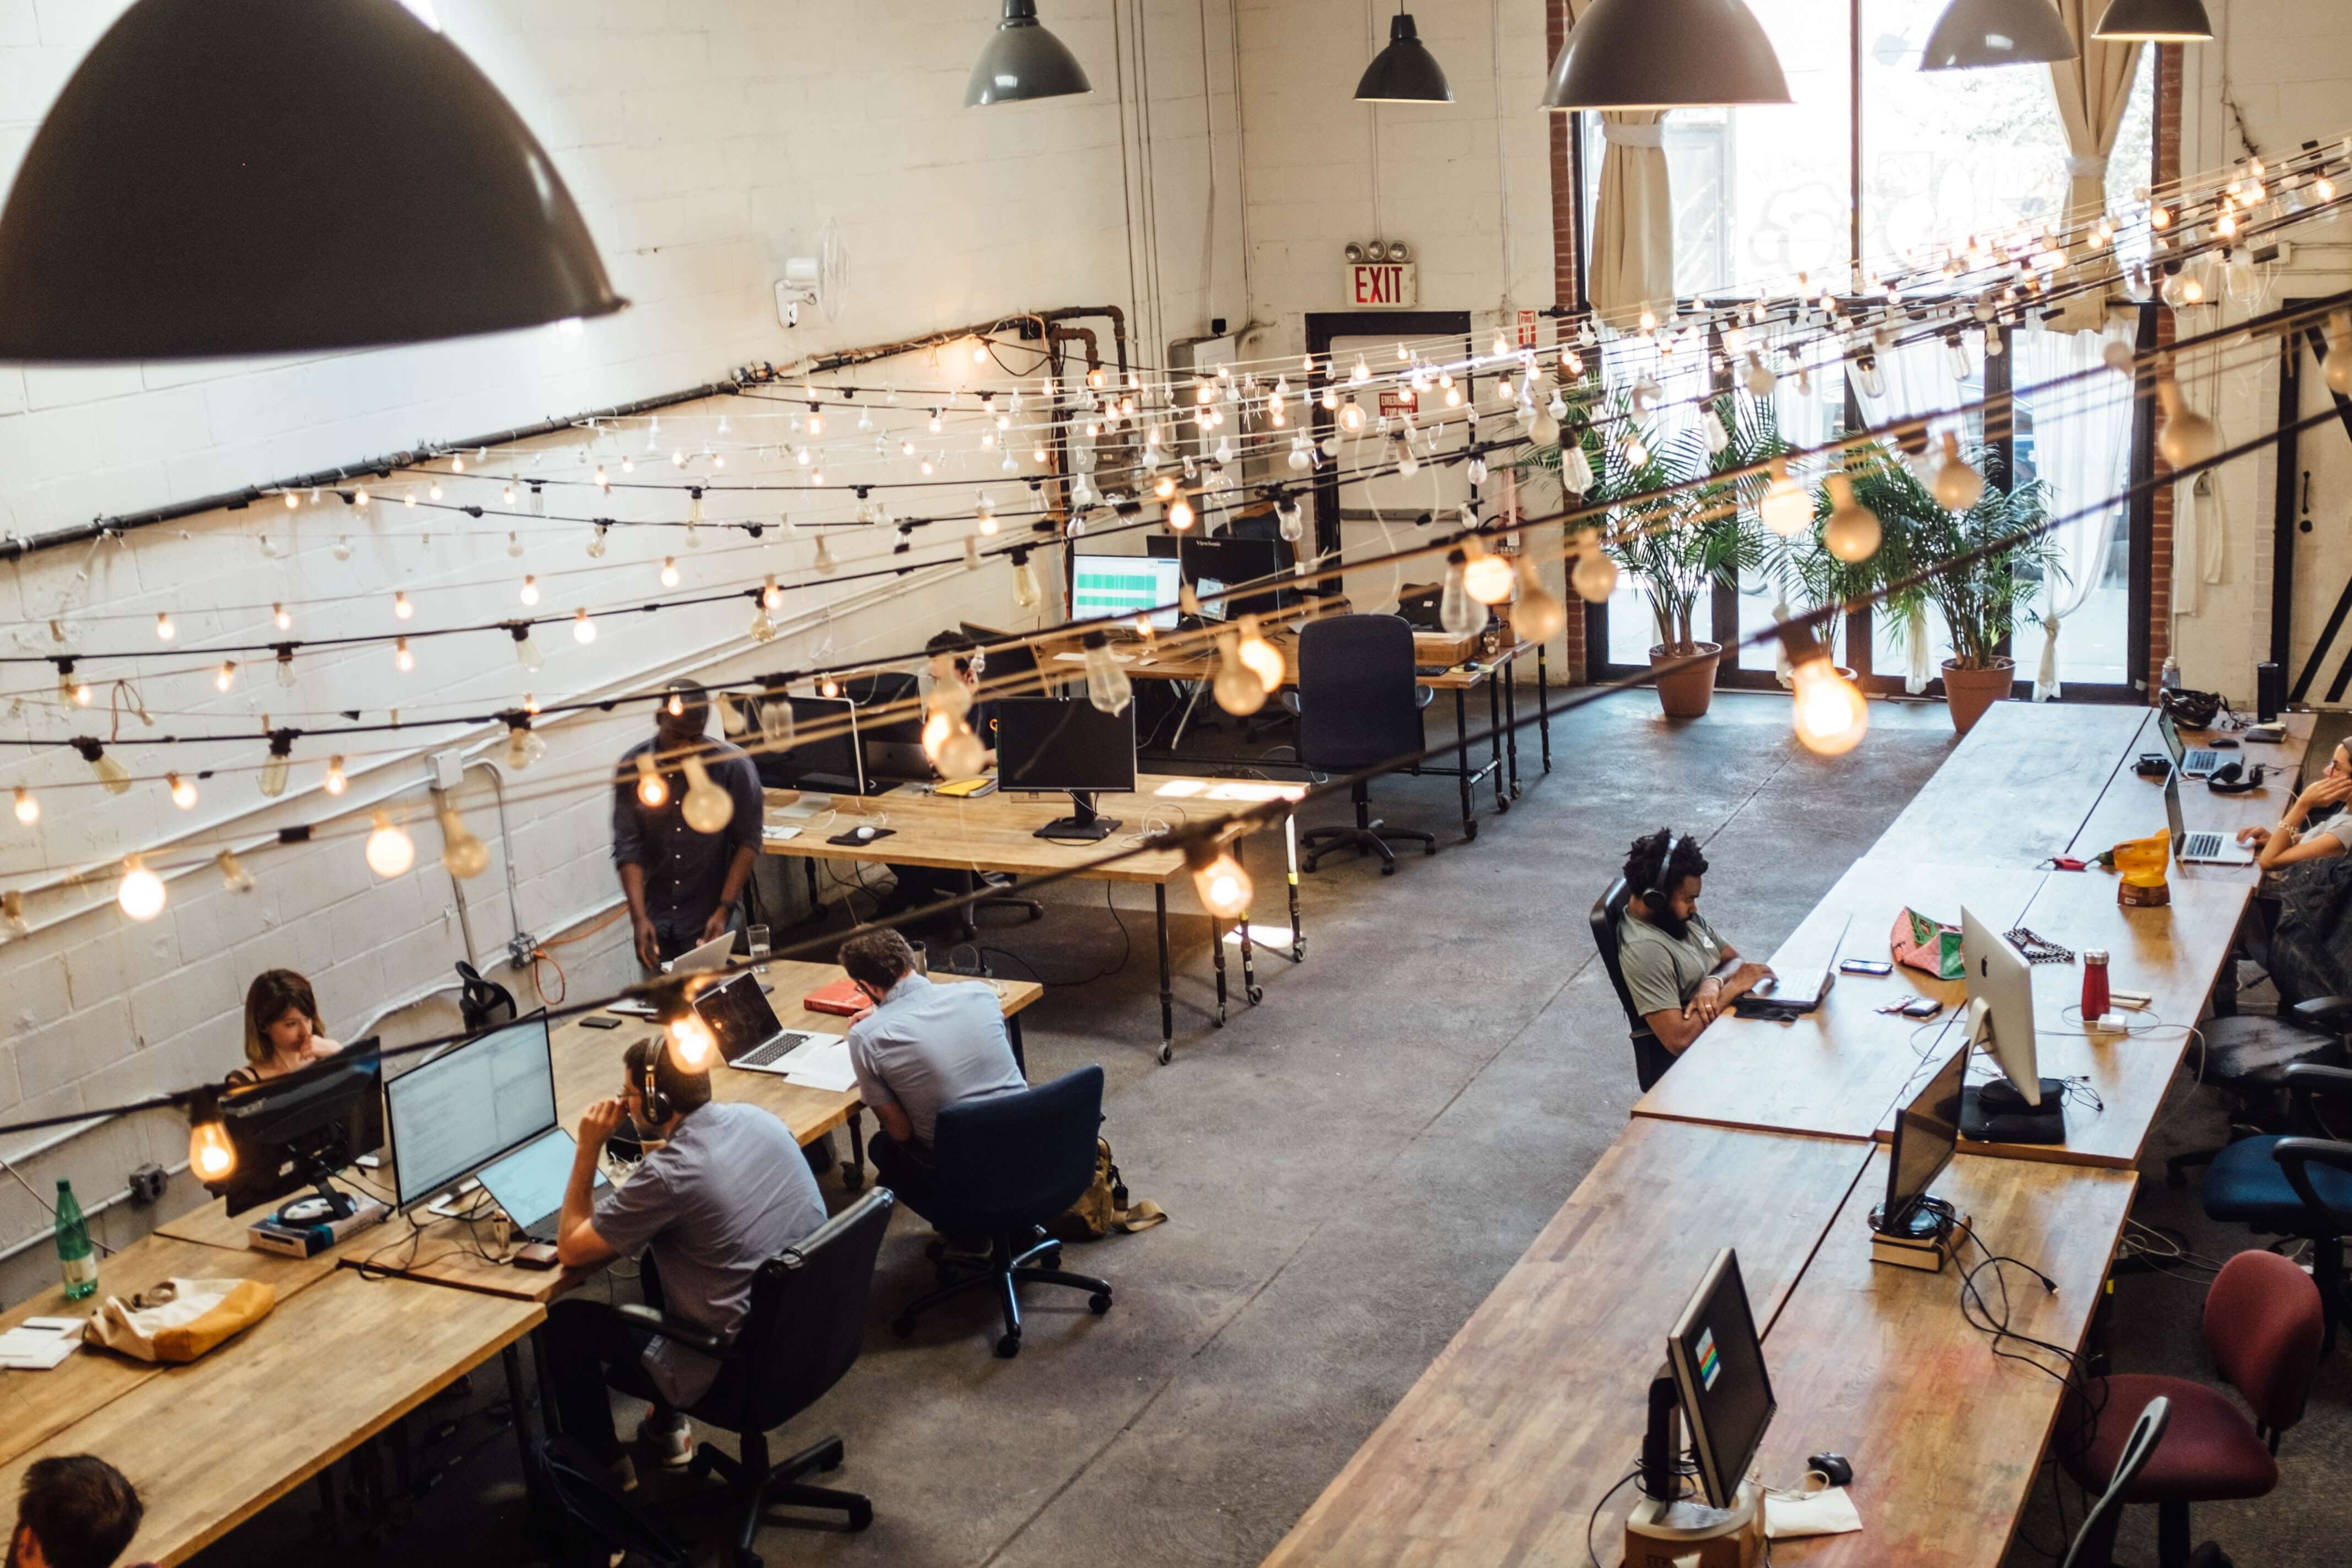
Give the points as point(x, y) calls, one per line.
point(1634, 218)
point(2094, 88)
point(2081, 450)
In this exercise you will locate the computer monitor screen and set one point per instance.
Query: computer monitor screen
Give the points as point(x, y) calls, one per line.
point(1233, 560)
point(2000, 1002)
point(289, 1130)
point(470, 1104)
point(2172, 813)
point(824, 745)
point(893, 690)
point(1057, 743)
point(1125, 586)
point(1214, 604)
point(1718, 1368)
point(1927, 1131)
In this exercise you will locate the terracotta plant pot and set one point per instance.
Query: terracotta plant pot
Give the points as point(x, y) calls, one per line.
point(1686, 693)
point(1971, 691)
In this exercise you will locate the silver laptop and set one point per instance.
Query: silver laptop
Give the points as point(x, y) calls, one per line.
point(745, 1025)
point(2202, 763)
point(2201, 849)
point(711, 954)
point(529, 1183)
point(1799, 991)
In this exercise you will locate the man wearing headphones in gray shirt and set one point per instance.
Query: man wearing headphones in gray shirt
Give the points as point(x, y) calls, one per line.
point(1680, 973)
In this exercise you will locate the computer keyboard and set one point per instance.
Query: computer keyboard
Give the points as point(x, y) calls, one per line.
point(784, 1045)
point(2201, 846)
point(2201, 761)
point(1431, 669)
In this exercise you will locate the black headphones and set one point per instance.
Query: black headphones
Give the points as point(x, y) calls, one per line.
point(1657, 898)
point(657, 1105)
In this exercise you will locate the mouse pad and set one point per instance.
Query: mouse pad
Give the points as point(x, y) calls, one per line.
point(850, 838)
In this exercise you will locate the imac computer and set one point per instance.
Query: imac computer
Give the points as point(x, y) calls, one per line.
point(468, 1105)
point(2021, 1106)
point(1066, 743)
point(1927, 1131)
point(297, 1130)
point(1714, 1380)
point(1121, 587)
point(890, 746)
point(824, 754)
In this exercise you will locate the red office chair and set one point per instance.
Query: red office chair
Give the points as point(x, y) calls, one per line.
point(2263, 1325)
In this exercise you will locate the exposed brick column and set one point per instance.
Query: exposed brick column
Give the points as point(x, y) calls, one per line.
point(2160, 566)
point(1564, 209)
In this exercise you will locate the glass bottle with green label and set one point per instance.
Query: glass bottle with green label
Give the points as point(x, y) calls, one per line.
point(77, 1259)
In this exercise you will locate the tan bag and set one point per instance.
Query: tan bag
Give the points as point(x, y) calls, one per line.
point(1103, 1206)
point(177, 1321)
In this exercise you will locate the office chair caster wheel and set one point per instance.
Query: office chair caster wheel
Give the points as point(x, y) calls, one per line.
point(903, 1327)
point(1503, 805)
point(852, 1176)
point(861, 1514)
point(1009, 1346)
point(1388, 868)
point(1167, 1054)
point(1470, 829)
point(1100, 1302)
point(1257, 995)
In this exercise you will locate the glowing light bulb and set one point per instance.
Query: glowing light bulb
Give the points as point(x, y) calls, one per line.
point(183, 791)
point(1457, 612)
point(1830, 713)
point(1261, 657)
point(1958, 486)
point(28, 810)
point(1237, 688)
point(1539, 616)
point(402, 659)
point(462, 854)
point(1786, 508)
point(1594, 577)
point(164, 630)
point(984, 514)
point(401, 608)
point(142, 892)
point(335, 782)
point(1180, 515)
point(225, 676)
point(707, 809)
point(2337, 367)
point(691, 1047)
point(652, 792)
point(530, 594)
point(525, 746)
point(212, 1158)
point(1223, 886)
point(390, 850)
point(1487, 577)
point(669, 577)
point(282, 616)
point(1853, 532)
point(2188, 438)
point(233, 876)
point(109, 772)
point(527, 651)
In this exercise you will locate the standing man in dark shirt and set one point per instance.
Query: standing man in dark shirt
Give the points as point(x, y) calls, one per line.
point(683, 885)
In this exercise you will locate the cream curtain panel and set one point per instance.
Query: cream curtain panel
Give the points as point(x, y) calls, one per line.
point(2093, 89)
point(1634, 220)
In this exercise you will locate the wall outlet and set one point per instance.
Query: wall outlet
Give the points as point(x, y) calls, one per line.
point(448, 768)
point(147, 1183)
point(519, 947)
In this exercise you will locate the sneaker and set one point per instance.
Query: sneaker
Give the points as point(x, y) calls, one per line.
point(665, 1439)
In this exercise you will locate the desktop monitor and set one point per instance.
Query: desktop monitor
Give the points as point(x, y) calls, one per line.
point(1066, 743)
point(1125, 586)
point(1232, 560)
point(2021, 1106)
point(824, 753)
point(470, 1104)
point(1927, 1131)
point(1008, 660)
point(889, 744)
point(1717, 1360)
point(297, 1130)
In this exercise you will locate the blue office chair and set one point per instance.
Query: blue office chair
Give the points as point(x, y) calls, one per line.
point(2296, 1185)
point(1007, 1164)
point(1358, 707)
point(807, 1325)
point(1651, 1058)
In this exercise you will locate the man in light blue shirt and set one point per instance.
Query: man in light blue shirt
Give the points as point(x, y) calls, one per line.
point(920, 1048)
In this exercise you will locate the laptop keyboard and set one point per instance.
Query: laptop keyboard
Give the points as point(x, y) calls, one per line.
point(2201, 846)
point(784, 1045)
point(2200, 762)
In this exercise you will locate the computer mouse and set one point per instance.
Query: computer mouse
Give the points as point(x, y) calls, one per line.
point(864, 833)
point(1833, 1466)
point(2223, 743)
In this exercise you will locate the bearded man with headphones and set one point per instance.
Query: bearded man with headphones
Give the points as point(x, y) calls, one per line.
point(722, 1188)
point(1679, 972)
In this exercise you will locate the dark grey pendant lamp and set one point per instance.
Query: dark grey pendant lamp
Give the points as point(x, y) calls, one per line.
point(1665, 53)
point(1404, 72)
point(281, 176)
point(1972, 35)
point(2161, 21)
point(1022, 61)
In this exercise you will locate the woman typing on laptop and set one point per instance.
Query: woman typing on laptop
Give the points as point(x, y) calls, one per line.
point(2297, 836)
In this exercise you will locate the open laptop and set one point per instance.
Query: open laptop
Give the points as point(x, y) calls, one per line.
point(711, 954)
point(2202, 763)
point(1799, 991)
point(2201, 849)
point(529, 1183)
point(749, 1037)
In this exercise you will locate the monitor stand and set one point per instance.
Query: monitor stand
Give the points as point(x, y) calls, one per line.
point(1996, 1113)
point(1083, 826)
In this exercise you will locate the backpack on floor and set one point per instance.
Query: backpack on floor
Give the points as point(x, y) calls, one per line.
point(589, 1520)
point(1103, 1206)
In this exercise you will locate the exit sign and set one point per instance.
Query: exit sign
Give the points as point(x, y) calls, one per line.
point(1382, 286)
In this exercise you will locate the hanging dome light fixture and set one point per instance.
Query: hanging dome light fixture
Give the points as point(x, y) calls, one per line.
point(1973, 35)
point(175, 228)
point(1021, 60)
point(2156, 21)
point(1665, 53)
point(1404, 72)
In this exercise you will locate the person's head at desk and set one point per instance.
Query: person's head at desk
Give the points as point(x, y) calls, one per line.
point(1679, 972)
point(283, 1032)
point(2314, 826)
point(75, 1511)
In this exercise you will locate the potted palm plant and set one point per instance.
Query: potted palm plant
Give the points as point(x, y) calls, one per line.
point(1989, 564)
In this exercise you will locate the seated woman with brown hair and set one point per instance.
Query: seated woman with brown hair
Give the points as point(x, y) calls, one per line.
point(282, 1030)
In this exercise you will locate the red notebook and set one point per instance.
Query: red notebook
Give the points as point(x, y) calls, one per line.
point(842, 999)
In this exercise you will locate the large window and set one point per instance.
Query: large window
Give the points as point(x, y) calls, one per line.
point(1761, 194)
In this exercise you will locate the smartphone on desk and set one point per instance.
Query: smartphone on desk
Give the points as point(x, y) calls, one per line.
point(1876, 967)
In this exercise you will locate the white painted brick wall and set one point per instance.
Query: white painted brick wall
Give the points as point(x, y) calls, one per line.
point(706, 141)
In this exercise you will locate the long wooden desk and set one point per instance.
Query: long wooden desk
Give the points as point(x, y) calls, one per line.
point(2132, 807)
point(998, 831)
point(1841, 1071)
point(212, 1443)
point(36, 1406)
point(2018, 790)
point(1499, 1453)
point(1878, 1364)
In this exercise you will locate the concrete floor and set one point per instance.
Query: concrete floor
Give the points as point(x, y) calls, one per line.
point(1350, 1167)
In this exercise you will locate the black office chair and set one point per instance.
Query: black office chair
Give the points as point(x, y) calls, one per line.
point(2298, 1186)
point(2094, 1544)
point(1651, 1058)
point(806, 1324)
point(1357, 708)
point(2245, 1057)
point(1007, 1164)
point(482, 1003)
